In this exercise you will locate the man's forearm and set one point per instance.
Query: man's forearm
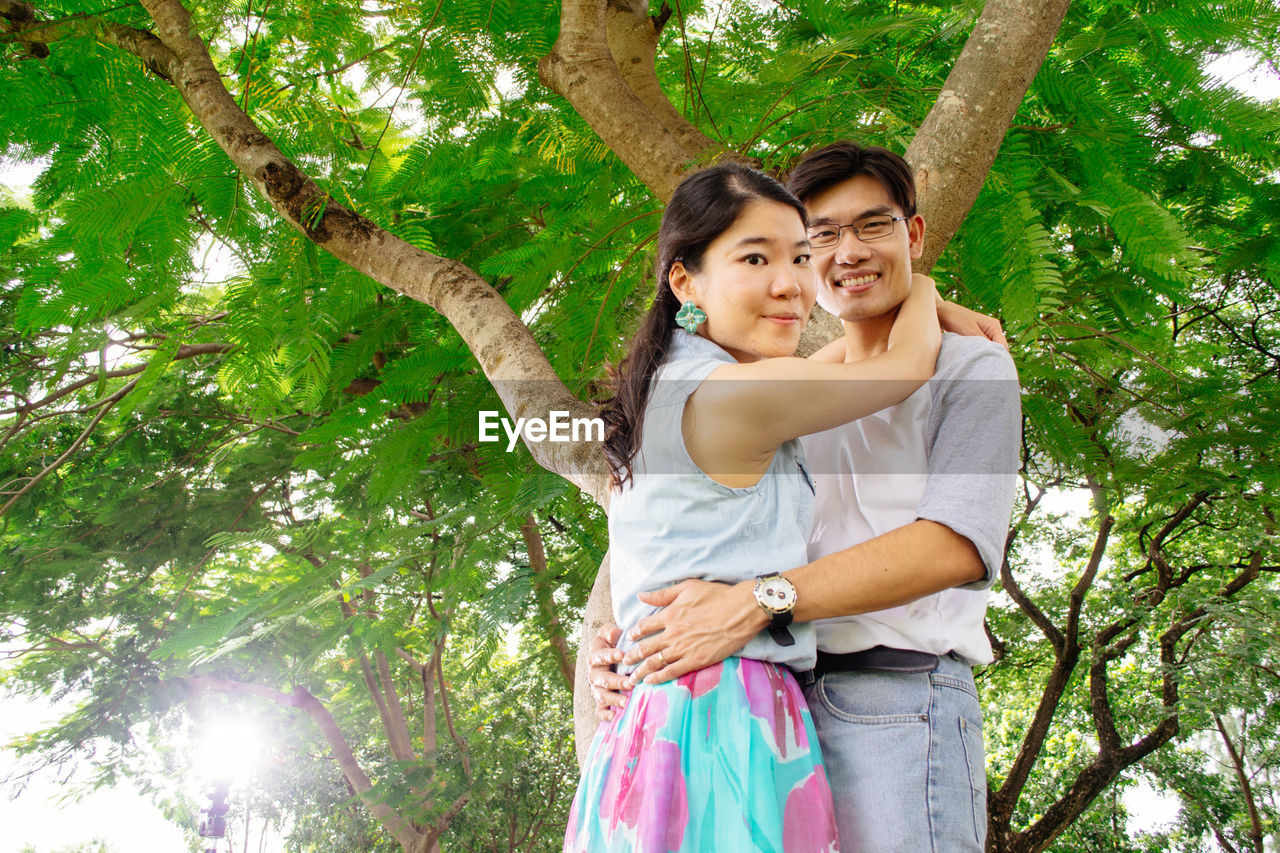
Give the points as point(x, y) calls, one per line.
point(699, 623)
point(892, 569)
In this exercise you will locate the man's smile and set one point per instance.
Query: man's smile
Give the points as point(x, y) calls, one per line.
point(856, 281)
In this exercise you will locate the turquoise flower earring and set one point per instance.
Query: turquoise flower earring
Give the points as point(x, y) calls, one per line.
point(690, 317)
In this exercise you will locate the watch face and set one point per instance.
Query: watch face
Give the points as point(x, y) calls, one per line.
point(775, 595)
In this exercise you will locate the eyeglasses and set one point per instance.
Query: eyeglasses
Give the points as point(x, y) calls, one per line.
point(826, 235)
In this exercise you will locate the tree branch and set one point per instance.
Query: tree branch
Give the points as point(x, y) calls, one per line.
point(1015, 590)
point(542, 591)
point(371, 684)
point(954, 147)
point(397, 729)
point(1081, 589)
point(1113, 759)
point(632, 37)
point(437, 827)
point(384, 697)
point(107, 405)
point(1100, 773)
point(185, 351)
point(1242, 776)
point(1164, 574)
point(463, 750)
point(1067, 655)
point(503, 345)
point(427, 674)
point(32, 32)
point(582, 69)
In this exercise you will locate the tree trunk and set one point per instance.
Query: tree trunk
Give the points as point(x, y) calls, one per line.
point(598, 611)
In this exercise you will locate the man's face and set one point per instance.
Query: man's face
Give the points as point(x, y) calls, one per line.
point(862, 280)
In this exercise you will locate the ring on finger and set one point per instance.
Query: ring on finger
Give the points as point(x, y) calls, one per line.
point(662, 659)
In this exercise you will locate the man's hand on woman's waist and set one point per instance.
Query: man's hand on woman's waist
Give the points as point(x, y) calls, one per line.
point(700, 623)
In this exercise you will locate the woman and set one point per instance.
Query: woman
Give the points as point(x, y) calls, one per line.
point(710, 483)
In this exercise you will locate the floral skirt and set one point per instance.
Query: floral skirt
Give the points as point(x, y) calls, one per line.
point(725, 758)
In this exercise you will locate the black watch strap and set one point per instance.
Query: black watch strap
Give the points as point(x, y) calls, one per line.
point(778, 629)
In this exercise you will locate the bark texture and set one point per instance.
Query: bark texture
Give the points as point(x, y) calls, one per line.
point(633, 36)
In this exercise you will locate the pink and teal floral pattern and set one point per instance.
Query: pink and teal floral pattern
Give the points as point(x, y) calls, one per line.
point(724, 758)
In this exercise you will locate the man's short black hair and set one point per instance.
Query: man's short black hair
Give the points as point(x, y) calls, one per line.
point(827, 166)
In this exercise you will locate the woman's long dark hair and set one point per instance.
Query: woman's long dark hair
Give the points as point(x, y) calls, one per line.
point(704, 206)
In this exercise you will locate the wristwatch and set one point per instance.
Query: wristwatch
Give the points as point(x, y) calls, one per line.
point(777, 597)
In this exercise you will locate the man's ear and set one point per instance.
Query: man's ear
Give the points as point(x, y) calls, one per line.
point(915, 236)
point(681, 282)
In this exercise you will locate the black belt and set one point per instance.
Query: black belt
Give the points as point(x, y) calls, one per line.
point(874, 659)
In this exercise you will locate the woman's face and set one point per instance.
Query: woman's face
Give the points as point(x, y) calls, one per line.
point(755, 285)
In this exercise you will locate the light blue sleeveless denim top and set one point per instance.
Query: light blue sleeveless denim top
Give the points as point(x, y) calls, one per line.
point(672, 522)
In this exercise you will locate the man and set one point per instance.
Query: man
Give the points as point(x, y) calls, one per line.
point(912, 509)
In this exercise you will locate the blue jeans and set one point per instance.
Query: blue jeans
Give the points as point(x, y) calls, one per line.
point(904, 758)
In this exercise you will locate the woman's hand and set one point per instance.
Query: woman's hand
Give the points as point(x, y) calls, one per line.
point(954, 317)
point(609, 689)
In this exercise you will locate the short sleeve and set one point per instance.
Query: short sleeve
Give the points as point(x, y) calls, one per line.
point(975, 430)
